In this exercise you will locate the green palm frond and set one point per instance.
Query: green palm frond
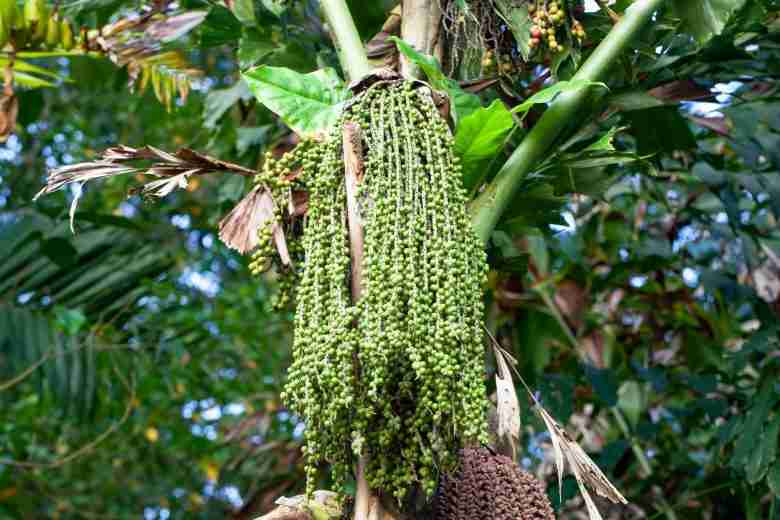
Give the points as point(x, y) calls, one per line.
point(56, 292)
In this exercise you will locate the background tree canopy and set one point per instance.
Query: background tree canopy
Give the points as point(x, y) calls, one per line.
point(635, 274)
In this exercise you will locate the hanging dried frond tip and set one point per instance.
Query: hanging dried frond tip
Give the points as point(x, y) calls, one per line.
point(566, 449)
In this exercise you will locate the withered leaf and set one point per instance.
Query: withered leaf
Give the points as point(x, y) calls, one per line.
point(478, 85)
point(766, 278)
point(281, 244)
point(508, 407)
point(175, 27)
point(163, 187)
point(719, 125)
point(680, 90)
point(82, 172)
point(173, 170)
point(585, 471)
point(238, 230)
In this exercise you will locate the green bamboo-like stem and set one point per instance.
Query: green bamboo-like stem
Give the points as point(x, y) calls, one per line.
point(352, 54)
point(494, 200)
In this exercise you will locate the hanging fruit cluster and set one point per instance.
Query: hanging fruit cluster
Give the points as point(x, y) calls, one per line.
point(551, 20)
point(397, 376)
point(33, 26)
point(280, 177)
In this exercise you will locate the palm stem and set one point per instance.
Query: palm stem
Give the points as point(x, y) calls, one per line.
point(352, 54)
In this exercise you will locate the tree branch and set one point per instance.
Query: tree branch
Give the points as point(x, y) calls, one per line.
point(488, 207)
point(352, 55)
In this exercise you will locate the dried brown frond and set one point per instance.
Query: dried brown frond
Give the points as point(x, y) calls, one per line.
point(238, 230)
point(136, 42)
point(172, 170)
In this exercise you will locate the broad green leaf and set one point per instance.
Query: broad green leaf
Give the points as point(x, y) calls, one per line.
point(764, 454)
point(593, 159)
point(631, 401)
point(244, 11)
point(564, 64)
point(254, 46)
point(220, 27)
point(308, 103)
point(428, 64)
point(660, 129)
point(704, 19)
point(586, 172)
point(548, 94)
point(221, 100)
point(604, 384)
point(277, 7)
point(519, 22)
point(636, 100)
point(463, 103)
point(534, 206)
point(604, 143)
point(537, 248)
point(479, 137)
point(658, 248)
point(249, 136)
point(773, 478)
point(69, 321)
point(231, 189)
point(761, 405)
point(292, 55)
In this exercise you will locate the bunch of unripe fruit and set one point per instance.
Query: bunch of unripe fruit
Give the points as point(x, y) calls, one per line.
point(504, 64)
point(33, 26)
point(547, 18)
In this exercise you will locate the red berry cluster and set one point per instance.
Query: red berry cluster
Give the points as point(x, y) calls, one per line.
point(548, 18)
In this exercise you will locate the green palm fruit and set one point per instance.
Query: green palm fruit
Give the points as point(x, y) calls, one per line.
point(418, 321)
point(53, 32)
point(66, 35)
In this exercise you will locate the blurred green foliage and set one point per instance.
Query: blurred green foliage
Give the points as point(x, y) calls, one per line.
point(140, 364)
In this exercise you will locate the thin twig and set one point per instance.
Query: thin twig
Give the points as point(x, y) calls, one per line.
point(84, 449)
point(5, 385)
